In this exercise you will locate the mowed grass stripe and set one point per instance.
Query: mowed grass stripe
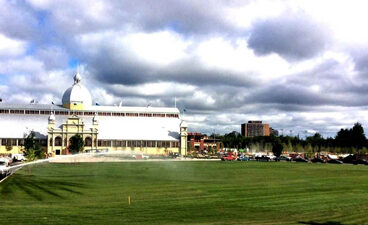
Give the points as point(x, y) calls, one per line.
point(185, 193)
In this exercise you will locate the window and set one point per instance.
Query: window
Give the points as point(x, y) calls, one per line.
point(118, 114)
point(117, 143)
point(172, 115)
point(45, 112)
point(58, 141)
point(3, 142)
point(145, 114)
point(15, 111)
point(132, 144)
point(88, 142)
point(174, 144)
point(158, 115)
point(20, 142)
point(132, 114)
point(151, 144)
point(14, 142)
point(104, 143)
point(104, 114)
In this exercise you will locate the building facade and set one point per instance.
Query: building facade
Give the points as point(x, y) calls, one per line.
point(201, 142)
point(150, 130)
point(255, 128)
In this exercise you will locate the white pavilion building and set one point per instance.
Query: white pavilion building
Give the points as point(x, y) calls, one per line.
point(150, 130)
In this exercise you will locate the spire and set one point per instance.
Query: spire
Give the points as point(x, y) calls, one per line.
point(52, 117)
point(77, 78)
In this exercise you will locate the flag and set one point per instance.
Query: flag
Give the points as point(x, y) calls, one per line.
point(1, 100)
point(184, 110)
point(97, 103)
point(53, 103)
point(32, 101)
point(149, 104)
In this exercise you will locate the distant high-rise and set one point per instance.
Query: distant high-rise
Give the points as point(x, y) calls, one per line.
point(255, 128)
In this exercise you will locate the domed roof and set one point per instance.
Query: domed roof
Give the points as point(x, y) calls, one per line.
point(77, 93)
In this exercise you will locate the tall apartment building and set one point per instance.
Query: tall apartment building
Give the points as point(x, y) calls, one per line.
point(255, 128)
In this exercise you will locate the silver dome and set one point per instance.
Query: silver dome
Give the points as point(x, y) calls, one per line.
point(77, 93)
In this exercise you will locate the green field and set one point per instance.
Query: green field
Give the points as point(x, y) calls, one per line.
point(186, 193)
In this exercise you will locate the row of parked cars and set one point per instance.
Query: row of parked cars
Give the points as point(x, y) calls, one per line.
point(351, 159)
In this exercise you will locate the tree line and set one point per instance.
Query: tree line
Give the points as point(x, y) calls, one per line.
point(351, 140)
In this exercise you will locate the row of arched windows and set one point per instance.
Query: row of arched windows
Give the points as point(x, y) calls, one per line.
point(59, 141)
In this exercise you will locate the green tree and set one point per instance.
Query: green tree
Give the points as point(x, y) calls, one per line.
point(277, 148)
point(8, 147)
point(76, 144)
point(32, 148)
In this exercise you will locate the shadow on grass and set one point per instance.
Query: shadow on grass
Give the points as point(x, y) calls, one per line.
point(39, 188)
point(322, 223)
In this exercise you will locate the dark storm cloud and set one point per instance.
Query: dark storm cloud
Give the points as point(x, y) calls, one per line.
point(284, 94)
point(183, 16)
point(293, 37)
point(17, 20)
point(120, 67)
point(359, 55)
point(180, 15)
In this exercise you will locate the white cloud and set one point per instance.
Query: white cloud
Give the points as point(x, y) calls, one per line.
point(11, 47)
point(160, 48)
point(223, 54)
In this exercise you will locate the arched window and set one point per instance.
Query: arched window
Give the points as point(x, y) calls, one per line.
point(58, 141)
point(88, 141)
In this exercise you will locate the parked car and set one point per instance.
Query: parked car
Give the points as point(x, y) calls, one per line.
point(18, 157)
point(243, 158)
point(174, 155)
point(300, 159)
point(4, 170)
point(318, 160)
point(360, 161)
point(334, 161)
point(6, 160)
point(228, 157)
point(283, 158)
point(140, 156)
point(263, 158)
point(349, 159)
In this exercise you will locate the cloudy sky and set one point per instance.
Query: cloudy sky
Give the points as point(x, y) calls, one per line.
point(301, 66)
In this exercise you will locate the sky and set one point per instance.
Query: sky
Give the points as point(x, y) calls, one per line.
point(301, 66)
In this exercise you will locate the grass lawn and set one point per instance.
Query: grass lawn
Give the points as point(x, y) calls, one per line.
point(186, 193)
